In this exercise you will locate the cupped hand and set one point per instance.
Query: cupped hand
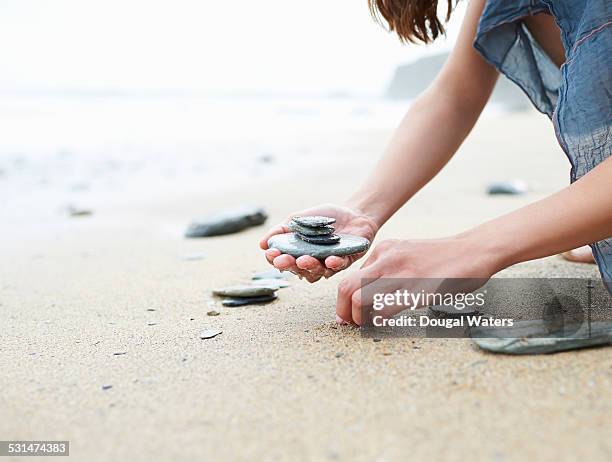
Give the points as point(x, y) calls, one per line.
point(416, 266)
point(348, 221)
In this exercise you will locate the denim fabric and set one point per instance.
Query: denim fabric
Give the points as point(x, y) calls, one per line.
point(577, 97)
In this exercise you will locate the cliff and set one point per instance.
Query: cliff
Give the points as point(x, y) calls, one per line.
point(411, 79)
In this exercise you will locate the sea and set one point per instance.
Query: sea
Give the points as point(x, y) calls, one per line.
point(92, 150)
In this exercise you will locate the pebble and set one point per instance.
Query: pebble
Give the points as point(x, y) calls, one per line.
point(292, 245)
point(532, 337)
point(320, 240)
point(515, 187)
point(245, 291)
point(243, 301)
point(210, 333)
point(213, 313)
point(306, 231)
point(106, 387)
point(277, 283)
point(193, 256)
point(314, 221)
point(266, 158)
point(75, 211)
point(227, 221)
point(271, 274)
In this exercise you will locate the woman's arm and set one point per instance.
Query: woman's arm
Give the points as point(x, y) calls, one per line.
point(433, 129)
point(577, 215)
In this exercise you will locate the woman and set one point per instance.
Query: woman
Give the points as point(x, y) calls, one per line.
point(560, 54)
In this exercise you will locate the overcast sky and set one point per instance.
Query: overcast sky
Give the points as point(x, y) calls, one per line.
point(212, 46)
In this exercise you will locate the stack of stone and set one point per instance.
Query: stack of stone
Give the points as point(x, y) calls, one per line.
point(314, 236)
point(314, 230)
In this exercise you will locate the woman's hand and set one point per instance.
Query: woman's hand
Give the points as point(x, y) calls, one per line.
point(348, 221)
point(412, 264)
point(575, 216)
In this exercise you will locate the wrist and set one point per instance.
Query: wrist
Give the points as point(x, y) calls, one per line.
point(369, 207)
point(494, 254)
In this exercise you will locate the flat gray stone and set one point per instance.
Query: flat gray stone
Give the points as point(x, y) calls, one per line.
point(277, 283)
point(245, 291)
point(75, 211)
point(314, 221)
point(271, 274)
point(210, 333)
point(453, 312)
point(194, 256)
point(321, 240)
point(516, 187)
point(308, 231)
point(532, 337)
point(243, 301)
point(290, 244)
point(227, 221)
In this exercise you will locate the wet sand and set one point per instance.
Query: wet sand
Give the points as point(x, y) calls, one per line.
point(283, 381)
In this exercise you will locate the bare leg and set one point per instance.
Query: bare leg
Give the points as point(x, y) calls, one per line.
point(580, 255)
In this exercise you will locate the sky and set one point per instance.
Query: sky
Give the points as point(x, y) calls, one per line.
point(313, 47)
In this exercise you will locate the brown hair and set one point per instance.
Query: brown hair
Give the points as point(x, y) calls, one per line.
point(412, 20)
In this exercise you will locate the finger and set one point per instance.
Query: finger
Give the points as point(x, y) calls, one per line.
point(337, 263)
point(361, 313)
point(271, 254)
point(312, 277)
point(329, 273)
point(390, 308)
point(278, 229)
point(356, 307)
point(341, 321)
point(313, 269)
point(344, 304)
point(308, 263)
point(284, 262)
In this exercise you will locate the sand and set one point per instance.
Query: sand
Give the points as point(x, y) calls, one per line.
point(283, 381)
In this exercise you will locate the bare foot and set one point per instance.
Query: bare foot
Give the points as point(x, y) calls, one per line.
point(580, 255)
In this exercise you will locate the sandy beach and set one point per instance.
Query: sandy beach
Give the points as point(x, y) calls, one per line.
point(283, 381)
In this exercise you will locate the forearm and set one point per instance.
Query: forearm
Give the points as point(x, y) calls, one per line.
point(577, 215)
point(434, 127)
point(428, 136)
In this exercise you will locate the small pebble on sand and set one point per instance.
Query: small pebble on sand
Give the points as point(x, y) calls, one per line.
point(245, 291)
point(243, 301)
point(75, 211)
point(513, 188)
point(227, 221)
point(210, 333)
point(195, 256)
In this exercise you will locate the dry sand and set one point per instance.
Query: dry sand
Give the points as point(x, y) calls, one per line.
point(282, 382)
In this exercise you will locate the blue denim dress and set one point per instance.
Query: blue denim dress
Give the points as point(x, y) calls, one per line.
point(577, 97)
